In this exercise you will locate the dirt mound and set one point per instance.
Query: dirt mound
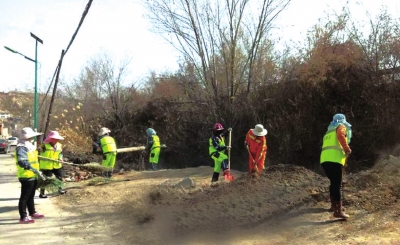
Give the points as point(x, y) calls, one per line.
point(246, 201)
point(377, 188)
point(154, 207)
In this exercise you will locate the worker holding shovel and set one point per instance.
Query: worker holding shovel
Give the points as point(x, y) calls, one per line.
point(217, 149)
point(256, 144)
point(335, 150)
point(51, 148)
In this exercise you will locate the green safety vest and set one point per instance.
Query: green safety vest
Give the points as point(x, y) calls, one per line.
point(156, 142)
point(33, 160)
point(332, 151)
point(49, 152)
point(108, 144)
point(211, 148)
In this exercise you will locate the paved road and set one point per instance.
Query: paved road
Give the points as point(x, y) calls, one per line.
point(43, 231)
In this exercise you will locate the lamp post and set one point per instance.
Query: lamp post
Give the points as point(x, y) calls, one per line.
point(36, 100)
point(35, 108)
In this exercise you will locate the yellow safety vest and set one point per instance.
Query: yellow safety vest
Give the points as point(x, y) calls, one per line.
point(33, 160)
point(332, 151)
point(49, 152)
point(108, 144)
point(156, 142)
point(211, 148)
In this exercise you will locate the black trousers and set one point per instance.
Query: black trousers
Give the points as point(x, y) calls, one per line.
point(57, 172)
point(333, 171)
point(48, 173)
point(26, 200)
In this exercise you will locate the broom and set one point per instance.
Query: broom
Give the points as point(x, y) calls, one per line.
point(50, 184)
point(92, 167)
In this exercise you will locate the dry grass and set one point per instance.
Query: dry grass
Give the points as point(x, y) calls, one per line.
point(50, 184)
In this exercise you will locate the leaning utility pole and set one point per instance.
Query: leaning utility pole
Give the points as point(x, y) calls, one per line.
point(54, 93)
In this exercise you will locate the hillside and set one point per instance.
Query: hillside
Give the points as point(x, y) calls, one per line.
point(287, 205)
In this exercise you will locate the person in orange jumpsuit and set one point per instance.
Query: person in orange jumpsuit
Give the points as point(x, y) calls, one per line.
point(256, 143)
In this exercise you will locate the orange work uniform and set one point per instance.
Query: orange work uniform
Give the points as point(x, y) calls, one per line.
point(258, 150)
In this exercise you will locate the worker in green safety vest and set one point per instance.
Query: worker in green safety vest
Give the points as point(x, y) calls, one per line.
point(52, 149)
point(217, 151)
point(335, 150)
point(26, 158)
point(109, 149)
point(153, 147)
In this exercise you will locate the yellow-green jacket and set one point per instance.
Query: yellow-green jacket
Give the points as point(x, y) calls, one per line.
point(53, 152)
point(108, 145)
point(332, 150)
point(33, 161)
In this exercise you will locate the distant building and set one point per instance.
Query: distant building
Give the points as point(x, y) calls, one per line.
point(4, 114)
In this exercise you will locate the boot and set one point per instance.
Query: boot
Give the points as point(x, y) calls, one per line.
point(42, 195)
point(338, 213)
point(332, 208)
point(215, 177)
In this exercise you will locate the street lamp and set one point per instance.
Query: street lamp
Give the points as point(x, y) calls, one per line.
point(36, 101)
point(35, 109)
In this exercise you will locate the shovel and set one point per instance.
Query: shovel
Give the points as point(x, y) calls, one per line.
point(229, 176)
point(255, 168)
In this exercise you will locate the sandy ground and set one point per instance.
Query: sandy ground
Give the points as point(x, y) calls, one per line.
point(287, 205)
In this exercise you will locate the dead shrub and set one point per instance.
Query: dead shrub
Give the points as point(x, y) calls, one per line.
point(155, 197)
point(144, 217)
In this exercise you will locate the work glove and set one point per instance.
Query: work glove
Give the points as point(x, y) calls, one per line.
point(38, 173)
point(41, 175)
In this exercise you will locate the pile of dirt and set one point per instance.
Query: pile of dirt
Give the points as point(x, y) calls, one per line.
point(248, 201)
point(376, 188)
point(154, 207)
point(150, 200)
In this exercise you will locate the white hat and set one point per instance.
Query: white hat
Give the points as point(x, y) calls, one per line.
point(259, 130)
point(103, 131)
point(27, 133)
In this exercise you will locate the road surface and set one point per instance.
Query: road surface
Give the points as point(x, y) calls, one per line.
point(44, 231)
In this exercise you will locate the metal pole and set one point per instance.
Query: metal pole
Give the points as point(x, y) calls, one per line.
point(35, 107)
point(36, 102)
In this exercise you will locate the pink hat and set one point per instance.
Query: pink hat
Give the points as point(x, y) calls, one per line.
point(53, 135)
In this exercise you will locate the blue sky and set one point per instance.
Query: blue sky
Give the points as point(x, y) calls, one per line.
point(118, 28)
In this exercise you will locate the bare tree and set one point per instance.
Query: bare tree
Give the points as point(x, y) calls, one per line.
point(101, 90)
point(217, 34)
point(381, 47)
